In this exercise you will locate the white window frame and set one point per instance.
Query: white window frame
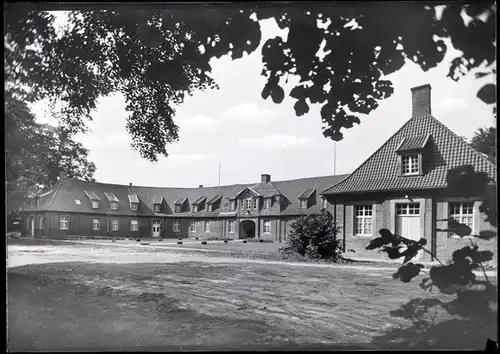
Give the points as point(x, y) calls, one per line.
point(95, 204)
point(134, 206)
point(303, 203)
point(267, 203)
point(192, 226)
point(366, 213)
point(64, 221)
point(408, 209)
point(209, 207)
point(134, 225)
point(156, 208)
point(113, 205)
point(255, 203)
point(40, 222)
point(461, 215)
point(176, 227)
point(115, 222)
point(242, 204)
point(232, 205)
point(178, 208)
point(248, 204)
point(230, 226)
point(205, 228)
point(78, 202)
point(410, 164)
point(195, 208)
point(267, 226)
point(94, 224)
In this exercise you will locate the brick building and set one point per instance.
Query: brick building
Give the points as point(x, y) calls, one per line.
point(402, 187)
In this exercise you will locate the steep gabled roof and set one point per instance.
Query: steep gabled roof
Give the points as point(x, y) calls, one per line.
point(254, 192)
point(111, 197)
point(181, 200)
point(133, 198)
point(266, 189)
point(306, 193)
point(214, 199)
point(92, 195)
point(199, 200)
point(446, 150)
point(158, 199)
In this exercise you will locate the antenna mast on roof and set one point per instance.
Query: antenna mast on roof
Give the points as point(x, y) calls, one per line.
point(219, 172)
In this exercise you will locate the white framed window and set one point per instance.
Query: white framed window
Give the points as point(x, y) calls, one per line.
point(408, 209)
point(324, 203)
point(303, 203)
point(195, 208)
point(134, 206)
point(95, 224)
point(113, 205)
point(78, 201)
point(267, 203)
point(64, 222)
point(177, 226)
point(255, 203)
point(249, 204)
point(156, 208)
point(206, 226)
point(267, 226)
point(37, 201)
point(462, 212)
point(40, 222)
point(95, 204)
point(192, 226)
point(410, 164)
point(209, 207)
point(232, 205)
point(363, 220)
point(114, 225)
point(242, 204)
point(231, 226)
point(134, 225)
point(178, 208)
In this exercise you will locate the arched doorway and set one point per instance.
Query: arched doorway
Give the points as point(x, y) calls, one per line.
point(247, 229)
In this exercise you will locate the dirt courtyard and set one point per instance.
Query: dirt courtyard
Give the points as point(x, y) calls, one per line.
point(97, 297)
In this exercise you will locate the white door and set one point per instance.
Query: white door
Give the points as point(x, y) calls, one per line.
point(408, 223)
point(156, 228)
point(32, 226)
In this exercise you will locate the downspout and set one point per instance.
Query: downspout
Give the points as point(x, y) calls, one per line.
point(343, 223)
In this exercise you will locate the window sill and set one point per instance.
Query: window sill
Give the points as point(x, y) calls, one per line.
point(363, 235)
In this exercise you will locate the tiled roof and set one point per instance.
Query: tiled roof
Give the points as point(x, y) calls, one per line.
point(413, 143)
point(306, 193)
point(214, 199)
point(446, 150)
point(266, 189)
point(67, 190)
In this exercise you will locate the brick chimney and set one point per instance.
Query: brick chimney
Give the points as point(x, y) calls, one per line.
point(265, 178)
point(421, 100)
point(200, 186)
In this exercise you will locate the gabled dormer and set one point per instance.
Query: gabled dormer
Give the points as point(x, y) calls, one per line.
point(248, 199)
point(305, 198)
point(214, 203)
point(113, 201)
point(412, 155)
point(94, 199)
point(157, 203)
point(133, 201)
point(179, 204)
point(198, 204)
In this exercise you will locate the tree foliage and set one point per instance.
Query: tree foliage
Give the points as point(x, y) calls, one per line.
point(315, 237)
point(484, 140)
point(155, 57)
point(36, 153)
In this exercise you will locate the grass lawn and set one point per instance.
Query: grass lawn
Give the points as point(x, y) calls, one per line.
point(196, 305)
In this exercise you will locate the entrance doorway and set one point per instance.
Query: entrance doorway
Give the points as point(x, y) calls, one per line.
point(247, 229)
point(156, 228)
point(408, 223)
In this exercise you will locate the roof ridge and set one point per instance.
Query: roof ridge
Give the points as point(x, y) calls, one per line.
point(380, 148)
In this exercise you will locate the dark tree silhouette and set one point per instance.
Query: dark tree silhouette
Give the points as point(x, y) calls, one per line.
point(155, 57)
point(484, 140)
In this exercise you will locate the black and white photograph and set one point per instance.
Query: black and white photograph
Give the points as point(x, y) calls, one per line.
point(250, 176)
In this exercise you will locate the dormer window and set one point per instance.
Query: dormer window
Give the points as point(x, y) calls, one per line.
point(156, 208)
point(113, 205)
point(267, 203)
point(410, 164)
point(94, 198)
point(255, 204)
point(113, 200)
point(134, 206)
point(209, 207)
point(303, 203)
point(178, 208)
point(134, 201)
point(95, 204)
point(249, 204)
point(242, 204)
point(157, 202)
point(195, 208)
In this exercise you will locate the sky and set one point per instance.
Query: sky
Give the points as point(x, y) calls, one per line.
point(250, 136)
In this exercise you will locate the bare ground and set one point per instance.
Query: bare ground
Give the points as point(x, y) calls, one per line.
point(213, 305)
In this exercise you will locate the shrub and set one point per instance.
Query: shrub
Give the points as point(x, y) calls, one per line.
point(225, 241)
point(180, 238)
point(179, 242)
point(314, 237)
point(203, 242)
point(244, 241)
